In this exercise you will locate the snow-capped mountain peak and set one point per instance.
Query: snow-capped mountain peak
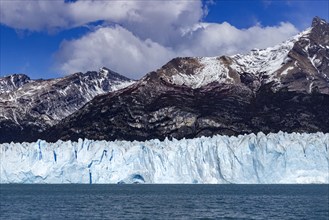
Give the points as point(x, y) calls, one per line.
point(12, 82)
point(267, 61)
point(272, 64)
point(38, 104)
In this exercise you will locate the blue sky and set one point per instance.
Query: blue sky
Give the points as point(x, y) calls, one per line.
point(47, 39)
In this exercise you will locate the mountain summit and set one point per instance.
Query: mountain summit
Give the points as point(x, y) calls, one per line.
point(28, 107)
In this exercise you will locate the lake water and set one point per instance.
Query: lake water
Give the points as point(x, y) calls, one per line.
point(164, 202)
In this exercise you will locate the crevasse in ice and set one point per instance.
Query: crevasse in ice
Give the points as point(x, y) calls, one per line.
point(272, 158)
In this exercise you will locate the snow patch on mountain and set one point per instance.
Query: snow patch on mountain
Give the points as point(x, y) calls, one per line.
point(267, 61)
point(212, 69)
point(54, 99)
point(12, 82)
point(258, 62)
point(272, 158)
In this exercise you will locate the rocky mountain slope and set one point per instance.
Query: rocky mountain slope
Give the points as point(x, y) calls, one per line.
point(12, 82)
point(28, 107)
point(285, 87)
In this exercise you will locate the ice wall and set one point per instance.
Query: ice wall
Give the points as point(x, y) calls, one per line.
point(272, 158)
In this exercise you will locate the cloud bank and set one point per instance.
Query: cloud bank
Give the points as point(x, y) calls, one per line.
point(136, 36)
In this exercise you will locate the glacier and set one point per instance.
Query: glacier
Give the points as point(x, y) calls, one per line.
point(274, 158)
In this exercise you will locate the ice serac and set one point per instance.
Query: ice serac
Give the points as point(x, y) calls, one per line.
point(28, 107)
point(272, 158)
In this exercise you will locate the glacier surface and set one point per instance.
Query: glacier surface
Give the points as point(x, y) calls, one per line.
point(272, 158)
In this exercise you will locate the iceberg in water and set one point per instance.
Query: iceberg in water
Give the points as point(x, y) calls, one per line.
point(272, 158)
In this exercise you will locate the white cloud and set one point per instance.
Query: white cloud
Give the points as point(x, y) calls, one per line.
point(147, 33)
point(34, 15)
point(158, 20)
point(113, 47)
point(124, 52)
point(212, 39)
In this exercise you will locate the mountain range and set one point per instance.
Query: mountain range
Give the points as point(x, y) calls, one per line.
point(28, 107)
point(284, 87)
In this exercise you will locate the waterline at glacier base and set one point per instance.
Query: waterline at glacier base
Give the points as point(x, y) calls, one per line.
point(247, 159)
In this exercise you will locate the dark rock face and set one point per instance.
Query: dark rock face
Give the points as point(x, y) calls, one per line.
point(140, 112)
point(27, 107)
point(290, 111)
point(295, 99)
point(183, 112)
point(309, 61)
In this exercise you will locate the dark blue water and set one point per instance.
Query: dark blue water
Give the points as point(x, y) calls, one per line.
point(164, 202)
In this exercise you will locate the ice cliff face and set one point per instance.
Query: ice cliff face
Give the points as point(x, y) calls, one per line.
point(272, 158)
